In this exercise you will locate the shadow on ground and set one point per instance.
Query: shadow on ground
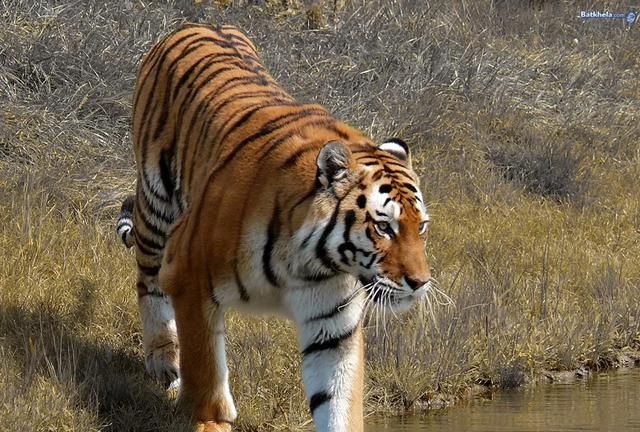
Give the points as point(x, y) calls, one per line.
point(108, 382)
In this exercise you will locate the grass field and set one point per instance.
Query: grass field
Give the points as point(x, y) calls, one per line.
point(524, 123)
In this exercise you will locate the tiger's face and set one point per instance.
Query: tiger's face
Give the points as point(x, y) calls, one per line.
point(381, 222)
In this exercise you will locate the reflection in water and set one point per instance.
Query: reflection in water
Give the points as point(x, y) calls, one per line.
point(605, 402)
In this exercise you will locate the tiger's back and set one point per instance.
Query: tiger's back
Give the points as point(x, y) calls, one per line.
point(211, 124)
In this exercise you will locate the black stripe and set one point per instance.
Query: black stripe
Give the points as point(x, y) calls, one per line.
point(197, 25)
point(193, 89)
point(307, 239)
point(273, 232)
point(333, 312)
point(324, 120)
point(334, 128)
point(326, 344)
point(369, 159)
point(321, 252)
point(390, 171)
point(155, 212)
point(238, 36)
point(149, 271)
point(144, 291)
point(165, 198)
point(166, 172)
point(242, 80)
point(318, 399)
point(349, 220)
point(373, 258)
point(291, 160)
point(411, 187)
point(293, 208)
point(385, 188)
point(396, 164)
point(318, 277)
point(150, 243)
point(204, 104)
point(212, 293)
point(146, 251)
point(157, 61)
point(244, 296)
point(211, 58)
point(235, 98)
point(367, 232)
point(377, 175)
point(248, 114)
point(156, 230)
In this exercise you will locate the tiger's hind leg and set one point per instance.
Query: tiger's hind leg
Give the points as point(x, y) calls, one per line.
point(159, 334)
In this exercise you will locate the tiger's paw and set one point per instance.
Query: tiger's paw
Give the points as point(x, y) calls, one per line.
point(210, 426)
point(162, 363)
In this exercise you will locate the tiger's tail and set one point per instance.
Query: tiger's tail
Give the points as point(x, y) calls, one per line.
point(124, 223)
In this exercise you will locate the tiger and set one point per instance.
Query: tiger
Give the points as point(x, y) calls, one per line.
point(248, 199)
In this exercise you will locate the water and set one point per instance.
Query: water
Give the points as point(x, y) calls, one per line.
point(604, 402)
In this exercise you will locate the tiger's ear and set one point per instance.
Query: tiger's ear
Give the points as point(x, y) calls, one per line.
point(398, 148)
point(333, 163)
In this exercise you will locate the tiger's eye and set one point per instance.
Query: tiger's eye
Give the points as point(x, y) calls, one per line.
point(423, 227)
point(384, 229)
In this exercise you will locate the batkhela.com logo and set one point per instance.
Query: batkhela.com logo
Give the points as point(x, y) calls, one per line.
point(630, 17)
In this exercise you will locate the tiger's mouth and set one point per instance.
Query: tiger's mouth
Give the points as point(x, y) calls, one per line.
point(366, 281)
point(384, 292)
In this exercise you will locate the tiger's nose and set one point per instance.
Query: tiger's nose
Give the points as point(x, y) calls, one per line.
point(415, 283)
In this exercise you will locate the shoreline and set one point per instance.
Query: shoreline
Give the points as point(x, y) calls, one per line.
point(624, 358)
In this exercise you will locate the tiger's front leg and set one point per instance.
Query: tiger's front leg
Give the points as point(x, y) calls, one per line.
point(204, 392)
point(332, 347)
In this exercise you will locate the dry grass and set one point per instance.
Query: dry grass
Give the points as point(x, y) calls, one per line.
point(524, 124)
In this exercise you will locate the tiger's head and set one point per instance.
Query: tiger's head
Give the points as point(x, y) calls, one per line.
point(378, 226)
